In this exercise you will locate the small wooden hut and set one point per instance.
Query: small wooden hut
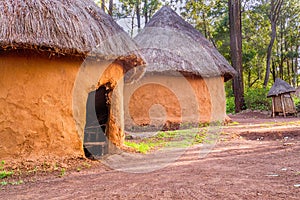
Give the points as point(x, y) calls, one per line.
point(184, 79)
point(282, 102)
point(53, 55)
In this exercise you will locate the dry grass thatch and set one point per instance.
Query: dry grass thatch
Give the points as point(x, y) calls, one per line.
point(280, 87)
point(171, 44)
point(72, 27)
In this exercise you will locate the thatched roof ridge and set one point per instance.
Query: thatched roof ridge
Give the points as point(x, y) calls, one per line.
point(71, 27)
point(179, 46)
point(280, 87)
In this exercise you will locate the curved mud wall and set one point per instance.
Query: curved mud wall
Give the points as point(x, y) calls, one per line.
point(37, 108)
point(185, 100)
point(93, 74)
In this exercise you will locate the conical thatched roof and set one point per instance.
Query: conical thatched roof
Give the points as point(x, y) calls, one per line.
point(171, 44)
point(72, 27)
point(280, 87)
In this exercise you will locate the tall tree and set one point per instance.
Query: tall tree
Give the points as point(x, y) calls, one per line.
point(110, 7)
point(138, 14)
point(138, 11)
point(236, 52)
point(273, 16)
point(146, 11)
point(103, 5)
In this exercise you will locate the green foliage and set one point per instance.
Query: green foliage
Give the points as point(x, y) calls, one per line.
point(170, 139)
point(4, 173)
point(256, 99)
point(62, 172)
point(142, 147)
point(297, 102)
point(19, 182)
point(230, 105)
point(200, 137)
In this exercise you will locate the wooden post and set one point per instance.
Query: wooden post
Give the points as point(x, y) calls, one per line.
point(282, 104)
point(273, 106)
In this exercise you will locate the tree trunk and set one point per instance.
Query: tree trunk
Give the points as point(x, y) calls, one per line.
point(132, 25)
point(236, 52)
point(296, 67)
point(110, 7)
point(138, 14)
point(146, 11)
point(273, 15)
point(269, 53)
point(273, 71)
point(288, 71)
point(103, 5)
point(293, 67)
point(249, 78)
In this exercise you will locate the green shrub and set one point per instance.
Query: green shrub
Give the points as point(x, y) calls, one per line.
point(4, 173)
point(256, 99)
point(230, 105)
point(297, 102)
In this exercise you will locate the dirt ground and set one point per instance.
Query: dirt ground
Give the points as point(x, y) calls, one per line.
point(256, 158)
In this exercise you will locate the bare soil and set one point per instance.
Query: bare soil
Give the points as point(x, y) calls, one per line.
point(256, 158)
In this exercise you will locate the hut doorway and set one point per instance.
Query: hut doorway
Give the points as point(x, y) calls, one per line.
point(97, 116)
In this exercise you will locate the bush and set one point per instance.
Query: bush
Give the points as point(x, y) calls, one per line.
point(230, 105)
point(256, 99)
point(297, 102)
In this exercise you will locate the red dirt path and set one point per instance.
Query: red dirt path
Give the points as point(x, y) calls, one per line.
point(247, 163)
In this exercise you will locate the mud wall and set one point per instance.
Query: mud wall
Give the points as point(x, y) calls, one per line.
point(40, 111)
point(36, 106)
point(93, 74)
point(160, 99)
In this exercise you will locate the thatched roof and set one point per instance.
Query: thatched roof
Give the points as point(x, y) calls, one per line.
point(280, 87)
point(171, 44)
point(72, 27)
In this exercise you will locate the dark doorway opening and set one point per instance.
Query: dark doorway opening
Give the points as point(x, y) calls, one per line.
point(97, 115)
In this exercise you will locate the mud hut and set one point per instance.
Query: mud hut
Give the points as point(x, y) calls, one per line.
point(282, 102)
point(54, 54)
point(184, 79)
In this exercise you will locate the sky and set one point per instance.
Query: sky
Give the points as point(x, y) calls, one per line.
point(125, 23)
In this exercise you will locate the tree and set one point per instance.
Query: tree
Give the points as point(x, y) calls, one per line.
point(110, 7)
point(138, 14)
point(273, 16)
point(138, 11)
point(236, 52)
point(103, 5)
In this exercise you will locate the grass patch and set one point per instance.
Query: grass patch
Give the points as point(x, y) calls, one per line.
point(233, 123)
point(169, 139)
point(142, 147)
point(62, 172)
point(4, 173)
